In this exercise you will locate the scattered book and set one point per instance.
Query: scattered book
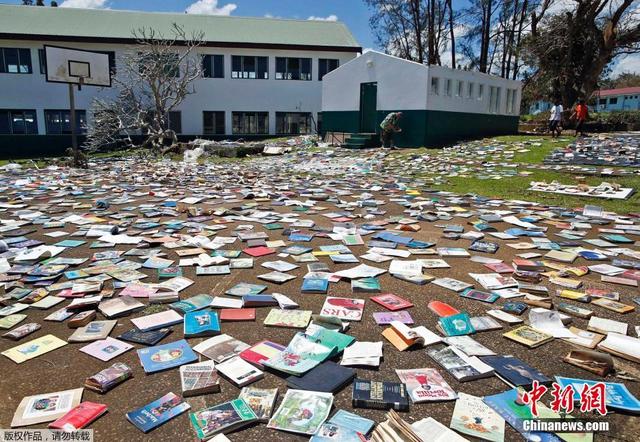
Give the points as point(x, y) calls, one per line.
point(347, 309)
point(455, 325)
point(288, 318)
point(163, 357)
point(528, 336)
point(201, 323)
point(459, 365)
point(108, 378)
point(199, 378)
point(473, 417)
point(302, 412)
point(515, 372)
point(260, 352)
point(239, 372)
point(47, 407)
point(402, 337)
point(158, 412)
point(145, 338)
point(261, 401)
point(382, 395)
point(158, 320)
point(425, 385)
point(391, 302)
point(79, 417)
point(221, 347)
point(327, 377)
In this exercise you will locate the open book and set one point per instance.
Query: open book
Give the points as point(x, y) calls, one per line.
point(402, 337)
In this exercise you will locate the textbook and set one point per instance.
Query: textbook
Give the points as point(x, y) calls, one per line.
point(328, 377)
point(93, 331)
point(194, 303)
point(260, 352)
point(106, 349)
point(199, 378)
point(528, 336)
point(515, 372)
point(460, 365)
point(288, 318)
point(385, 318)
point(258, 300)
point(47, 407)
point(163, 357)
point(145, 338)
point(221, 347)
point(617, 395)
point(302, 411)
point(379, 395)
point(239, 372)
point(314, 285)
point(425, 385)
point(455, 325)
point(473, 417)
point(158, 320)
point(261, 401)
point(79, 417)
point(391, 302)
point(237, 314)
point(158, 412)
point(119, 306)
point(201, 323)
point(301, 355)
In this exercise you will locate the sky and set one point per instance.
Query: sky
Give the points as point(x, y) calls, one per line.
point(354, 13)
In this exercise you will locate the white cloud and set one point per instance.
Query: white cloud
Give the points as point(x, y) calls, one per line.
point(331, 17)
point(626, 63)
point(210, 7)
point(85, 4)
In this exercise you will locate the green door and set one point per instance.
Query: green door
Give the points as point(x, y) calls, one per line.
point(368, 104)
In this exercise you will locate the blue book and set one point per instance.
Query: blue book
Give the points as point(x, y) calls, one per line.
point(456, 325)
point(157, 412)
point(392, 237)
point(163, 357)
point(617, 395)
point(315, 285)
point(515, 372)
point(510, 406)
point(352, 421)
point(201, 323)
point(258, 300)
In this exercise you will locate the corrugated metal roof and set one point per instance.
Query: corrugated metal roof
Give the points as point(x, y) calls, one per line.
point(619, 91)
point(39, 22)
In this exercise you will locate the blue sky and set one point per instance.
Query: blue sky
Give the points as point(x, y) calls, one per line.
point(354, 13)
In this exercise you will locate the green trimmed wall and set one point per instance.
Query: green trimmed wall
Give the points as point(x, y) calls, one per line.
point(428, 127)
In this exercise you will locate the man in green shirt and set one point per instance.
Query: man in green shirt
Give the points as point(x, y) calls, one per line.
point(389, 126)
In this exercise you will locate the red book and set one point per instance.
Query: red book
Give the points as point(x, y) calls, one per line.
point(442, 309)
point(79, 417)
point(238, 314)
point(500, 267)
point(260, 352)
point(258, 251)
point(391, 302)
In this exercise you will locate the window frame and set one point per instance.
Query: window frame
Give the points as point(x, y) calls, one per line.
point(283, 115)
point(20, 53)
point(447, 87)
point(245, 114)
point(81, 130)
point(327, 68)
point(212, 65)
point(480, 91)
point(290, 72)
point(434, 89)
point(214, 125)
point(239, 75)
point(8, 113)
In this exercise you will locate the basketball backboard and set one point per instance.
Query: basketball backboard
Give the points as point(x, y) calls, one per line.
point(77, 66)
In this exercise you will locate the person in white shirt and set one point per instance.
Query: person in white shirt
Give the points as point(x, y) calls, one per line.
point(555, 120)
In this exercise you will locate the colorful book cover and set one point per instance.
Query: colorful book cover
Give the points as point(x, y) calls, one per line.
point(514, 371)
point(384, 318)
point(479, 295)
point(201, 323)
point(379, 394)
point(146, 338)
point(106, 349)
point(300, 356)
point(243, 289)
point(473, 417)
point(163, 357)
point(199, 377)
point(237, 314)
point(456, 325)
point(45, 407)
point(370, 284)
point(261, 400)
point(221, 347)
point(315, 285)
point(347, 309)
point(34, 348)
point(288, 318)
point(617, 395)
point(221, 418)
point(391, 302)
point(352, 421)
point(425, 384)
point(260, 352)
point(197, 302)
point(79, 417)
point(302, 412)
point(157, 412)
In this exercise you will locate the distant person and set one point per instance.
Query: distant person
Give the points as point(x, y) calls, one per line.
point(390, 125)
point(581, 113)
point(555, 119)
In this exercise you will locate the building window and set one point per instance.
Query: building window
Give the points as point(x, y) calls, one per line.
point(59, 122)
point(174, 121)
point(613, 100)
point(460, 88)
point(42, 61)
point(470, 88)
point(213, 122)
point(249, 67)
point(293, 68)
point(18, 122)
point(250, 123)
point(326, 65)
point(603, 101)
point(447, 87)
point(481, 92)
point(293, 123)
point(15, 61)
point(435, 86)
point(213, 66)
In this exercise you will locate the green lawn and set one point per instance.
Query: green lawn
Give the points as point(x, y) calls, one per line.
point(516, 187)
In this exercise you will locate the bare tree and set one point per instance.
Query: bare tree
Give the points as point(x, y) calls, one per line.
point(153, 78)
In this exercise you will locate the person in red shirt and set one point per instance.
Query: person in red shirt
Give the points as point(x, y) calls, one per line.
point(581, 114)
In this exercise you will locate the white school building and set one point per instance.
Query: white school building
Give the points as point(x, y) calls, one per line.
point(438, 104)
point(263, 76)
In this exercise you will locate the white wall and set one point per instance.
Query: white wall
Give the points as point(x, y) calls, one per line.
point(31, 91)
point(472, 104)
point(402, 85)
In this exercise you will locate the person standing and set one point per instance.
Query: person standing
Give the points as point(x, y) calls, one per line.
point(581, 114)
point(555, 119)
point(390, 125)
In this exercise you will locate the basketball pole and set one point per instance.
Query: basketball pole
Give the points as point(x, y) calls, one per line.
point(74, 135)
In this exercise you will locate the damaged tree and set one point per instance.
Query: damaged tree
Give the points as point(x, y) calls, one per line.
point(153, 79)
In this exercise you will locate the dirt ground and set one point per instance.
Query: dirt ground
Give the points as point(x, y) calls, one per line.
point(67, 368)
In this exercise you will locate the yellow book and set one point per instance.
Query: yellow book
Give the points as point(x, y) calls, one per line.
point(324, 253)
point(576, 296)
point(34, 348)
point(528, 336)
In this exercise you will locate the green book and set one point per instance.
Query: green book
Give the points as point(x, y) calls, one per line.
point(221, 418)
